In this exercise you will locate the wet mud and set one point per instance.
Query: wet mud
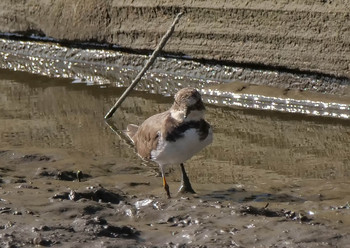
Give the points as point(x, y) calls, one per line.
point(270, 179)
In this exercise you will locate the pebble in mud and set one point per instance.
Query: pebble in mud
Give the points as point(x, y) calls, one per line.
point(345, 206)
point(18, 180)
point(275, 213)
point(5, 210)
point(100, 227)
point(41, 242)
point(44, 228)
point(181, 221)
point(62, 175)
point(98, 194)
point(35, 157)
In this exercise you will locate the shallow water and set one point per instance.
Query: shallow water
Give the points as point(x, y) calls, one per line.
point(266, 151)
point(219, 84)
point(54, 113)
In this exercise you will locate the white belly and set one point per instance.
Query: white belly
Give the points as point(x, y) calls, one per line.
point(182, 149)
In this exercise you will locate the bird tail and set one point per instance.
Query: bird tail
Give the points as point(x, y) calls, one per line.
point(130, 131)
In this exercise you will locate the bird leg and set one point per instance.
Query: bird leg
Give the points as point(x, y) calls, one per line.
point(165, 185)
point(185, 182)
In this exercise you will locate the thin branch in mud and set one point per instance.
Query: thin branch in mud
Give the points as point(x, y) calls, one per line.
point(146, 67)
point(119, 133)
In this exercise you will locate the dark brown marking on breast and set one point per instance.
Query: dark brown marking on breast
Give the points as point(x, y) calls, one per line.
point(201, 126)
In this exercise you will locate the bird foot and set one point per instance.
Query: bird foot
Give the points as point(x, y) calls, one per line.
point(186, 188)
point(166, 187)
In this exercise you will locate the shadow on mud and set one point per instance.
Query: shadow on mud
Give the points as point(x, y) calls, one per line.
point(243, 196)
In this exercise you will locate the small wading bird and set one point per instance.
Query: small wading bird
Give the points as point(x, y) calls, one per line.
point(174, 136)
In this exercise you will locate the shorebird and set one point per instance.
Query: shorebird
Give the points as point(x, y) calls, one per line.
point(174, 136)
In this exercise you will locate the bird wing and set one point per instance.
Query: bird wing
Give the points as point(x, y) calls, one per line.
point(147, 136)
point(131, 130)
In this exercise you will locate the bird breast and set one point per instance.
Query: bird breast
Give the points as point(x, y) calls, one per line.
point(181, 149)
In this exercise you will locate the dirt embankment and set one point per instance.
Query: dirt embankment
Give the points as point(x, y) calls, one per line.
point(293, 34)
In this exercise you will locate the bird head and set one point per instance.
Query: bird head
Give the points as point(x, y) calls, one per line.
point(189, 102)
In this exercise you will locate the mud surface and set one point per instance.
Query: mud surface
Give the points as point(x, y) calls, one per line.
point(68, 180)
point(297, 35)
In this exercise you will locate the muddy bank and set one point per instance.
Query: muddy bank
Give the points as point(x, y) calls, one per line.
point(128, 209)
point(58, 218)
point(294, 35)
point(110, 67)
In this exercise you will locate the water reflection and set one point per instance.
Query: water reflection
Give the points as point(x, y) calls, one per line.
point(168, 75)
point(308, 107)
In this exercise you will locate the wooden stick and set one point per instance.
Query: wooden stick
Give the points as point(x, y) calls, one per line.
point(146, 67)
point(119, 133)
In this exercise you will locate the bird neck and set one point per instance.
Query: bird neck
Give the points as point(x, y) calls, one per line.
point(178, 115)
point(184, 115)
